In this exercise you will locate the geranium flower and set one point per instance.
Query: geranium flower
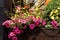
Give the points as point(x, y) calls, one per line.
point(11, 34)
point(54, 24)
point(14, 38)
point(43, 22)
point(31, 26)
point(18, 31)
point(18, 9)
point(8, 23)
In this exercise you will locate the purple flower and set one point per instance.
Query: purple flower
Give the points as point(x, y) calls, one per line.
point(43, 23)
point(14, 38)
point(11, 34)
point(7, 23)
point(32, 26)
point(54, 24)
point(18, 31)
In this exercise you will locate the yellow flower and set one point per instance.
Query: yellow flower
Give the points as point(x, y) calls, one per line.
point(37, 16)
point(55, 11)
point(28, 15)
point(58, 8)
point(57, 17)
point(52, 17)
point(51, 13)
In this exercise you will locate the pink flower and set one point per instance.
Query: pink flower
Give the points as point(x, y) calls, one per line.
point(54, 24)
point(34, 18)
point(43, 23)
point(23, 21)
point(14, 38)
point(18, 9)
point(17, 20)
point(37, 21)
point(31, 26)
point(8, 23)
point(25, 27)
point(11, 34)
point(18, 31)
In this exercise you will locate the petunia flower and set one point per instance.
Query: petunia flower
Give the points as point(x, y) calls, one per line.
point(37, 21)
point(31, 26)
point(14, 38)
point(54, 24)
point(11, 34)
point(7, 23)
point(18, 31)
point(43, 23)
point(23, 21)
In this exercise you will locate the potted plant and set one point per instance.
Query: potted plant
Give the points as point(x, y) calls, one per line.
point(52, 12)
point(28, 19)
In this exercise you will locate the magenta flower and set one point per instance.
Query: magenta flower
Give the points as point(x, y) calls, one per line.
point(18, 31)
point(54, 24)
point(43, 23)
point(23, 21)
point(8, 23)
point(11, 34)
point(37, 22)
point(31, 26)
point(14, 38)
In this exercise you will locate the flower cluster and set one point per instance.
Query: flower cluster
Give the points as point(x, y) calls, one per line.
point(26, 17)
